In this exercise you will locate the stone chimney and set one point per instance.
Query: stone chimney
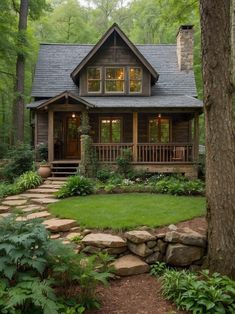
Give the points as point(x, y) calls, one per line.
point(185, 47)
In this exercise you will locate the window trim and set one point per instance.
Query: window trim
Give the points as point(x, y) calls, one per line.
point(110, 131)
point(100, 80)
point(159, 129)
point(129, 79)
point(124, 79)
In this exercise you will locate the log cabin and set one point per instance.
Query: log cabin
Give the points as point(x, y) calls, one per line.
point(137, 97)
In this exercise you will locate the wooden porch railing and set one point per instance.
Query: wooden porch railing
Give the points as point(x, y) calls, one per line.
point(109, 152)
point(164, 153)
point(147, 152)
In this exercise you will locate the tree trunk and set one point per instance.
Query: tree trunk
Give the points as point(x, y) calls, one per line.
point(18, 107)
point(220, 135)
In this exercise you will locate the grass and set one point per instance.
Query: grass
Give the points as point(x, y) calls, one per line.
point(124, 211)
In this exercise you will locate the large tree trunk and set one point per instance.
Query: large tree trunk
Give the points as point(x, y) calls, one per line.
point(220, 135)
point(18, 107)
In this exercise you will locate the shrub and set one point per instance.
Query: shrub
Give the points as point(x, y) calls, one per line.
point(42, 151)
point(104, 175)
point(178, 186)
point(123, 161)
point(200, 294)
point(28, 180)
point(21, 160)
point(33, 267)
point(8, 189)
point(76, 185)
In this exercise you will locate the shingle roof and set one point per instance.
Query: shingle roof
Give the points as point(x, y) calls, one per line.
point(57, 61)
point(172, 101)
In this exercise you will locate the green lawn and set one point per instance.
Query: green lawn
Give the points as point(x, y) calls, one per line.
point(123, 211)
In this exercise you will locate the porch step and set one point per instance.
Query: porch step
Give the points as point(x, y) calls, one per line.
point(64, 168)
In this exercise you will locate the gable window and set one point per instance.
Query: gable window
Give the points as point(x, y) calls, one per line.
point(110, 130)
point(94, 80)
point(159, 130)
point(135, 80)
point(114, 80)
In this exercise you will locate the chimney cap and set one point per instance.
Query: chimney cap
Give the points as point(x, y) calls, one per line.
point(184, 27)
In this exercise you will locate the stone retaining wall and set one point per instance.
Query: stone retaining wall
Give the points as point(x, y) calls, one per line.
point(184, 248)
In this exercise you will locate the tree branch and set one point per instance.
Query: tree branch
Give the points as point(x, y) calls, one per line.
point(17, 10)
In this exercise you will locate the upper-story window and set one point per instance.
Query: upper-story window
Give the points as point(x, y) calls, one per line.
point(94, 80)
point(135, 80)
point(114, 80)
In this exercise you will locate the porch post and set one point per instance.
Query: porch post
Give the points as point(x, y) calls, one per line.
point(50, 136)
point(135, 136)
point(196, 137)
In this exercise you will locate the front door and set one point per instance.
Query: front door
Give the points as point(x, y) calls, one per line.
point(72, 148)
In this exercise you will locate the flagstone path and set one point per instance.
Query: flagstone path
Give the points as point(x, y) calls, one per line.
point(33, 204)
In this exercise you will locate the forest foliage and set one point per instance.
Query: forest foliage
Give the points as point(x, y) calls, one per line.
point(74, 21)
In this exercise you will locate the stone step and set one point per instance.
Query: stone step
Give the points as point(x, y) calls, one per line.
point(59, 225)
point(14, 197)
point(42, 190)
point(37, 195)
point(32, 208)
point(4, 215)
point(44, 201)
point(129, 265)
point(4, 209)
point(57, 179)
point(15, 203)
point(51, 186)
point(43, 214)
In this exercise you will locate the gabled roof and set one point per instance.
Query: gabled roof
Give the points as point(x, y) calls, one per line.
point(115, 28)
point(67, 95)
point(56, 62)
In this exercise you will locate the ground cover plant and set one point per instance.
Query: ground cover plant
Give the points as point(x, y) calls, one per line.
point(198, 293)
point(123, 211)
point(39, 275)
point(27, 180)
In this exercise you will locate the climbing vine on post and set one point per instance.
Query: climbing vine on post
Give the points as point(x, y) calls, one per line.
point(87, 164)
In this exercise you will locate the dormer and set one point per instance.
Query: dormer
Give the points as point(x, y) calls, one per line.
point(114, 67)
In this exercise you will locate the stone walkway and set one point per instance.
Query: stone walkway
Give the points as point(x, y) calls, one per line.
point(33, 204)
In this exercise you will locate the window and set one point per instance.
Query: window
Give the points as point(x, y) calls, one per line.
point(135, 80)
point(110, 130)
point(159, 130)
point(114, 80)
point(94, 80)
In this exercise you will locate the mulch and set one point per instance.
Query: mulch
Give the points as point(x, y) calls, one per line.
point(140, 294)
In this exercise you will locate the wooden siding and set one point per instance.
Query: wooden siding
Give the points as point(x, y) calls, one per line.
point(115, 54)
point(41, 127)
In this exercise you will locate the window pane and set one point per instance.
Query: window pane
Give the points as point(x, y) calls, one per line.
point(135, 86)
point(165, 130)
point(105, 131)
point(114, 86)
point(135, 74)
point(116, 131)
point(114, 74)
point(93, 73)
point(153, 131)
point(94, 86)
